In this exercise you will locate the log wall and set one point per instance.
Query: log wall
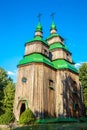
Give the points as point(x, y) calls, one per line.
point(37, 47)
point(61, 54)
point(54, 39)
point(49, 92)
point(36, 90)
point(66, 81)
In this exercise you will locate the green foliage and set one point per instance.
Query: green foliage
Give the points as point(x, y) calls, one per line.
point(8, 99)
point(26, 117)
point(7, 118)
point(7, 102)
point(7, 90)
point(3, 78)
point(83, 79)
point(55, 126)
point(3, 83)
point(83, 75)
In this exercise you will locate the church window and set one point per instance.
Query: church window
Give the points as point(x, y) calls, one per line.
point(24, 79)
point(45, 52)
point(75, 91)
point(50, 55)
point(75, 106)
point(67, 56)
point(51, 84)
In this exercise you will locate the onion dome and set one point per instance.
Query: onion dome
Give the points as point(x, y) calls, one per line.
point(53, 28)
point(38, 31)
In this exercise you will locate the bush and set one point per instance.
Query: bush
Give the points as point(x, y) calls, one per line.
point(7, 118)
point(26, 117)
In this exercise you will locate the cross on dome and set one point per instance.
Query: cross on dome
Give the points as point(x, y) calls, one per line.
point(52, 15)
point(39, 16)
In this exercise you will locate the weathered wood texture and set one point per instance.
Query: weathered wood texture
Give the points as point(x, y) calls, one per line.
point(69, 92)
point(38, 34)
point(49, 93)
point(61, 54)
point(45, 100)
point(52, 31)
point(54, 39)
point(35, 90)
point(37, 47)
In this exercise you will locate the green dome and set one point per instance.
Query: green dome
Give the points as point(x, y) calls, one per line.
point(39, 27)
point(53, 26)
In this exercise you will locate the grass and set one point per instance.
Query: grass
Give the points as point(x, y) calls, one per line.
point(57, 126)
point(56, 120)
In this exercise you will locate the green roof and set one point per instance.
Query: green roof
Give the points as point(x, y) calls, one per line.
point(63, 64)
point(35, 57)
point(37, 38)
point(54, 35)
point(38, 58)
point(39, 27)
point(58, 45)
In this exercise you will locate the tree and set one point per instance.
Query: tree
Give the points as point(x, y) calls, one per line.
point(8, 99)
point(3, 83)
point(83, 79)
point(7, 104)
point(3, 78)
point(7, 90)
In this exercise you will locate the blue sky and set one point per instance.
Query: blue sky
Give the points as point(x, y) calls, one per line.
point(18, 20)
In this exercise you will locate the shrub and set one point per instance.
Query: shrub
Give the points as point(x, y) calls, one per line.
point(26, 117)
point(7, 118)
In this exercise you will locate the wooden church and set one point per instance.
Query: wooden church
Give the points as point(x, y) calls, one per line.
point(47, 80)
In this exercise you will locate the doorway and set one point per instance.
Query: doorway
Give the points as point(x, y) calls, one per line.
point(22, 109)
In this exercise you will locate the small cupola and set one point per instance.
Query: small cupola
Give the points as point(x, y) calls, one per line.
point(38, 31)
point(53, 29)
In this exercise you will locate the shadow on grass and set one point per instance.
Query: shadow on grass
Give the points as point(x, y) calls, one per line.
point(60, 126)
